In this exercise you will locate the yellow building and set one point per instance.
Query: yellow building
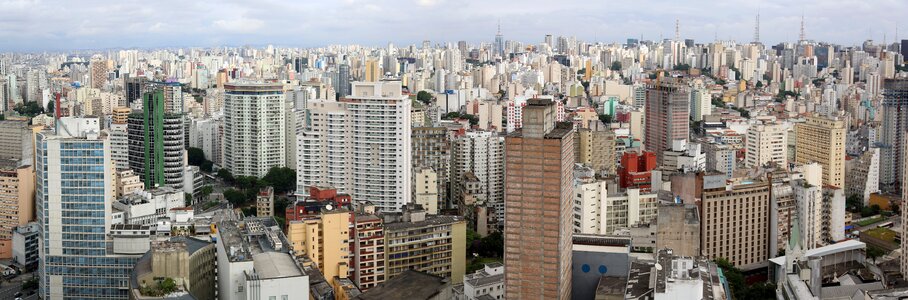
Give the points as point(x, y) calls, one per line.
point(373, 71)
point(425, 243)
point(323, 238)
point(17, 201)
point(822, 140)
point(120, 115)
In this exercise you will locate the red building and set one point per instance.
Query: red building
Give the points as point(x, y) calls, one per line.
point(636, 170)
point(319, 197)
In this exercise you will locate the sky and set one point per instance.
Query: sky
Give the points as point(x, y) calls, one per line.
point(42, 25)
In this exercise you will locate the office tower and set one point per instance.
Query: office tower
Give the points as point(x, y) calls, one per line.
point(342, 84)
point(595, 146)
point(499, 42)
point(479, 154)
point(700, 103)
point(74, 193)
point(432, 149)
point(17, 201)
point(253, 128)
point(538, 194)
point(766, 143)
point(822, 140)
point(413, 233)
point(156, 143)
point(904, 48)
point(734, 221)
point(894, 124)
point(17, 140)
point(322, 237)
point(667, 115)
point(133, 88)
point(373, 71)
point(903, 262)
point(359, 145)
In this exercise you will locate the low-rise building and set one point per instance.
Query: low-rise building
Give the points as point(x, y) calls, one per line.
point(425, 243)
point(600, 207)
point(146, 207)
point(264, 202)
point(411, 285)
point(191, 264)
point(486, 283)
point(676, 277)
point(25, 245)
point(255, 261)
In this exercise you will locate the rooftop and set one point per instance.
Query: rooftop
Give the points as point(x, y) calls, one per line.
point(430, 220)
point(410, 284)
point(268, 265)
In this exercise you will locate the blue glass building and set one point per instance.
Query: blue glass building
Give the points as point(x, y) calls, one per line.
point(73, 207)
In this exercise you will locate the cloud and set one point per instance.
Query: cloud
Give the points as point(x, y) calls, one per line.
point(37, 25)
point(240, 25)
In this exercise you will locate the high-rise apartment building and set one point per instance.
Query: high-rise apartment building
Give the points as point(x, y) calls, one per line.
point(432, 149)
point(367, 251)
point(595, 146)
point(600, 208)
point(822, 140)
point(720, 158)
point(73, 202)
point(700, 103)
point(894, 124)
point(173, 95)
point(538, 205)
point(360, 145)
point(667, 114)
point(17, 201)
point(253, 128)
point(479, 154)
point(766, 143)
point(373, 71)
point(156, 151)
point(734, 221)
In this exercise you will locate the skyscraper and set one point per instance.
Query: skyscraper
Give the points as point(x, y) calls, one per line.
point(499, 42)
point(667, 115)
point(735, 221)
point(359, 145)
point(342, 83)
point(538, 205)
point(74, 195)
point(822, 140)
point(895, 122)
point(253, 128)
point(156, 143)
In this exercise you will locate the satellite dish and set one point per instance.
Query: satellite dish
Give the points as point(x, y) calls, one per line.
point(328, 207)
point(658, 267)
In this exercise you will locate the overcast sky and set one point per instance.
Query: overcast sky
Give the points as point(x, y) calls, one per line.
point(27, 25)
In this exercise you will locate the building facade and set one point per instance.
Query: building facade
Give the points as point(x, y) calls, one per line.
point(17, 201)
point(766, 143)
point(735, 222)
point(894, 124)
point(253, 128)
point(360, 145)
point(667, 115)
point(538, 205)
point(156, 143)
point(822, 140)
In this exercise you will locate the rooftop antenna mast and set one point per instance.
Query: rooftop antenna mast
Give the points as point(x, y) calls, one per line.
point(803, 36)
point(677, 30)
point(757, 28)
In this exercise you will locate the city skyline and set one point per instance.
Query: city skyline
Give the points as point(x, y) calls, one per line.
point(52, 26)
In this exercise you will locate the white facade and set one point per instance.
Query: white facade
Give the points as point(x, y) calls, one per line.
point(253, 128)
point(359, 145)
point(487, 281)
point(145, 207)
point(766, 143)
point(119, 145)
point(481, 153)
point(205, 134)
point(598, 212)
point(700, 104)
point(809, 199)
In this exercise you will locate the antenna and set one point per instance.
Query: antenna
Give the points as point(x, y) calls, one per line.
point(757, 28)
point(499, 26)
point(803, 36)
point(677, 30)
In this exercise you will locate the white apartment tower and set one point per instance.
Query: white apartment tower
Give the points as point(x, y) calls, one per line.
point(480, 153)
point(359, 144)
point(253, 128)
point(766, 143)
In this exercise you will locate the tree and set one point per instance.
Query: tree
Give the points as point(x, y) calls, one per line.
point(248, 183)
point(187, 199)
point(424, 96)
point(196, 156)
point(606, 119)
point(30, 108)
point(873, 252)
point(168, 285)
point(206, 166)
point(616, 66)
point(281, 178)
point(759, 84)
point(235, 197)
point(225, 175)
point(854, 203)
point(205, 191)
point(50, 106)
point(682, 67)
